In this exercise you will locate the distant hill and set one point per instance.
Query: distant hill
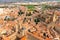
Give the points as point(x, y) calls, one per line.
point(2, 1)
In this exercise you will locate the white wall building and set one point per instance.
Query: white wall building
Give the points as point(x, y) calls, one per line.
point(1, 10)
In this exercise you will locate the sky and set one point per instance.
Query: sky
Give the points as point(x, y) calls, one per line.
point(1, 1)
